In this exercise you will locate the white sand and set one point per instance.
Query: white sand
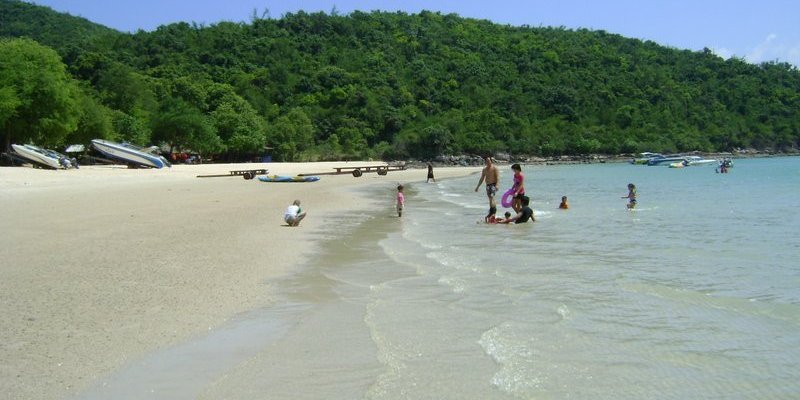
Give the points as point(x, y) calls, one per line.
point(103, 264)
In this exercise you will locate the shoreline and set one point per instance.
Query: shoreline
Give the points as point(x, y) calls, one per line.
point(105, 264)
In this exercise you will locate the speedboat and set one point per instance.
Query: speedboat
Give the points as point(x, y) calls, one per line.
point(42, 157)
point(692, 161)
point(645, 157)
point(130, 154)
point(666, 160)
point(695, 161)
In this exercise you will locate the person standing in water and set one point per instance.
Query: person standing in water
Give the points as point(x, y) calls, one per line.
point(491, 175)
point(519, 188)
point(430, 174)
point(631, 196)
point(401, 200)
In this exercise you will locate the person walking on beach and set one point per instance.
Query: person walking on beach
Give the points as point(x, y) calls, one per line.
point(294, 214)
point(430, 174)
point(401, 200)
point(491, 176)
point(519, 188)
point(631, 196)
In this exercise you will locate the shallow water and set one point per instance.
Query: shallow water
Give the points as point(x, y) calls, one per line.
point(695, 294)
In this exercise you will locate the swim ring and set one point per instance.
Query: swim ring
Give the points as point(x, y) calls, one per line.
point(507, 198)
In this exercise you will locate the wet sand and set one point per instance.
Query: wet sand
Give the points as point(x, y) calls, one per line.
point(105, 264)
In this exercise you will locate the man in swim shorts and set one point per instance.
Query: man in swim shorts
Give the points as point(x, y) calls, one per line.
point(491, 175)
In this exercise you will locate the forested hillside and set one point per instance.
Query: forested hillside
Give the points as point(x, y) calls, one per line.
point(382, 85)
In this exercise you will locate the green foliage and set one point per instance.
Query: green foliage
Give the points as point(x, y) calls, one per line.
point(318, 86)
point(38, 100)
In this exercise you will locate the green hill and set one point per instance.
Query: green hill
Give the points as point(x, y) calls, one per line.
point(319, 86)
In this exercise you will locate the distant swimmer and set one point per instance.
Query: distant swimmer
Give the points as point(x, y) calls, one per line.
point(491, 175)
point(631, 196)
point(563, 205)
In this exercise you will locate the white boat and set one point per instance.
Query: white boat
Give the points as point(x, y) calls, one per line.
point(43, 157)
point(695, 161)
point(692, 161)
point(666, 160)
point(130, 154)
point(645, 157)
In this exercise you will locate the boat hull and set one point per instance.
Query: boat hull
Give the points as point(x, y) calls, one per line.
point(284, 178)
point(128, 154)
point(39, 156)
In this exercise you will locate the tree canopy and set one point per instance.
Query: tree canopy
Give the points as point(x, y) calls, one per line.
point(311, 86)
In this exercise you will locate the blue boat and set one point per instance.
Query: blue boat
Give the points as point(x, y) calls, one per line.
point(286, 178)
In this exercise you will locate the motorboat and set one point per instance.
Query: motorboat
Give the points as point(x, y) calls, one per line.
point(645, 157)
point(692, 161)
point(666, 160)
point(43, 157)
point(696, 161)
point(130, 154)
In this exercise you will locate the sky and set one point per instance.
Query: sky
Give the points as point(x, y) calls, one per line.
point(757, 31)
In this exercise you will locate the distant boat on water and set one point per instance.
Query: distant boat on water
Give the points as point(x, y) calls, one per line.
point(43, 157)
point(645, 157)
point(130, 154)
point(666, 160)
point(693, 161)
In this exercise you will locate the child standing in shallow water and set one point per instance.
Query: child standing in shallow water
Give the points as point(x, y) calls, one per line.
point(519, 188)
point(401, 200)
point(631, 196)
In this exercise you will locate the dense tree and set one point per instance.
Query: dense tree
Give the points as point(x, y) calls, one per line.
point(379, 84)
point(38, 101)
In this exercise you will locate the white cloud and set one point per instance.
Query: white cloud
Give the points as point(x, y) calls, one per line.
point(772, 48)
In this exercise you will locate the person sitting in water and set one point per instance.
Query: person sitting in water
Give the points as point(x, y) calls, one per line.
point(491, 218)
point(563, 205)
point(525, 214)
point(503, 220)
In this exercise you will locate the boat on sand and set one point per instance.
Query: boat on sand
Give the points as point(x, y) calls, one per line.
point(43, 157)
point(130, 154)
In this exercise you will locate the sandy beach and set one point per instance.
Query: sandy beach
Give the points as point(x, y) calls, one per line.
point(104, 264)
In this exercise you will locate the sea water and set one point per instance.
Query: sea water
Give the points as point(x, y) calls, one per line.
point(694, 294)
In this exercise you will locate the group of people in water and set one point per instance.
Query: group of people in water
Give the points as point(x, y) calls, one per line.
point(520, 202)
point(490, 175)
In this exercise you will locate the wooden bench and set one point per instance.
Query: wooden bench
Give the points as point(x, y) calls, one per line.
point(244, 173)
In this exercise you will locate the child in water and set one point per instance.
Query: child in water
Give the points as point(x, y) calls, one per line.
point(631, 196)
point(563, 205)
point(401, 199)
point(519, 188)
point(492, 219)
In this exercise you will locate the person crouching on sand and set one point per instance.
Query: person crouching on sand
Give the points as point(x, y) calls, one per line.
point(294, 214)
